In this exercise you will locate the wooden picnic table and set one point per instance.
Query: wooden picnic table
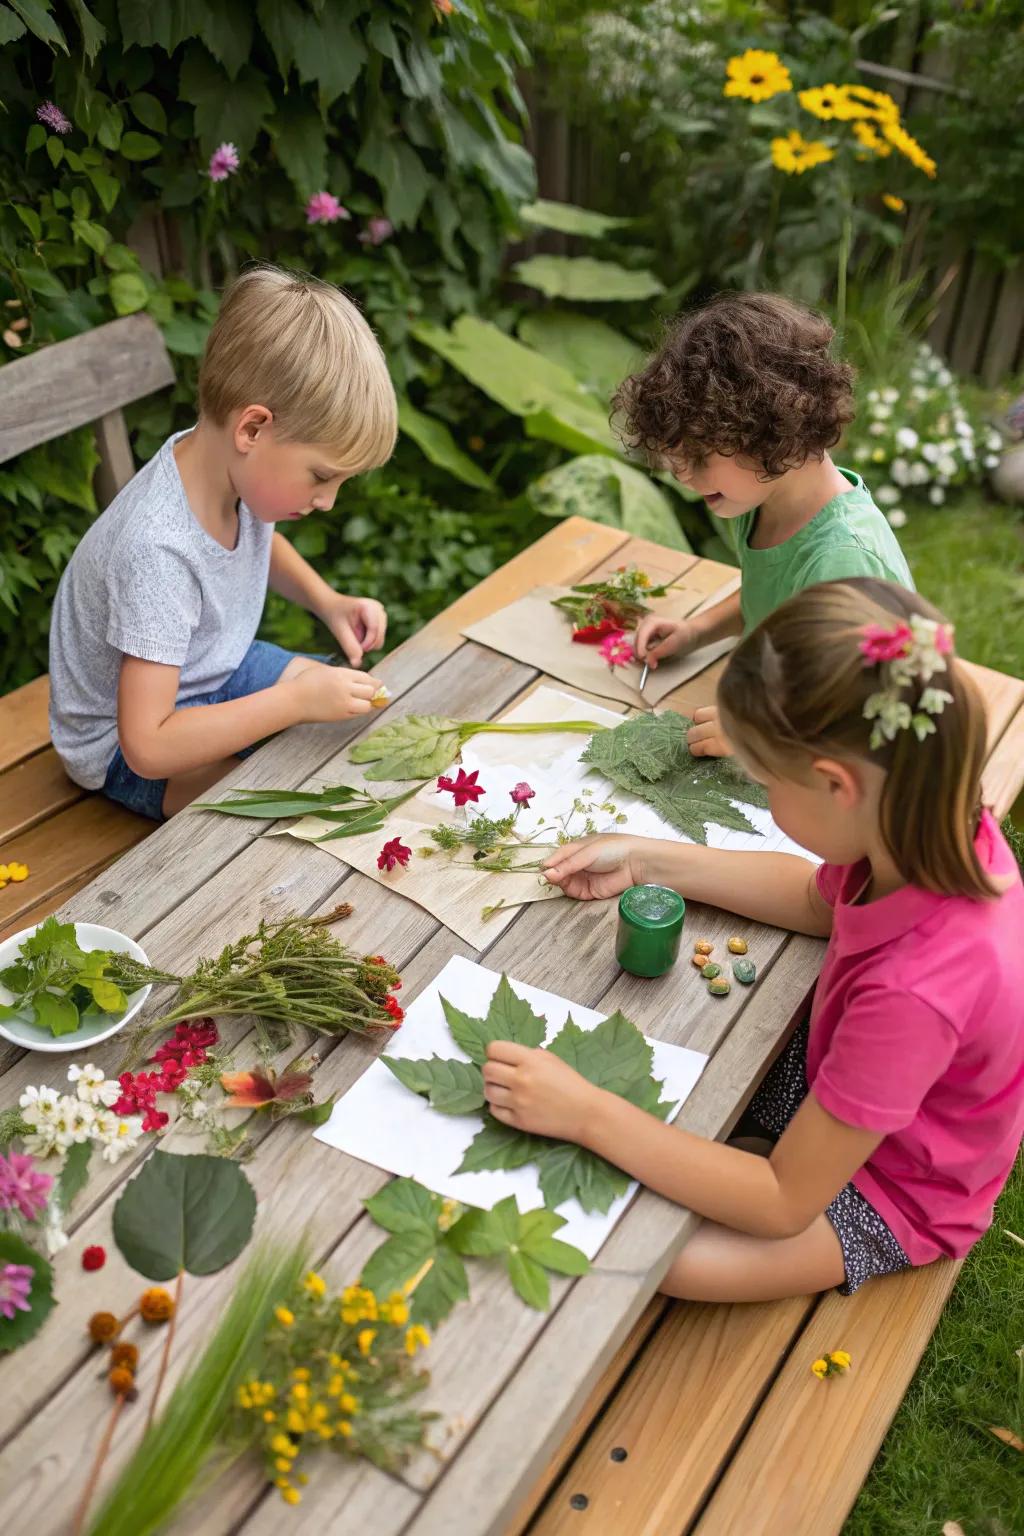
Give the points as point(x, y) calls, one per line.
point(506, 1380)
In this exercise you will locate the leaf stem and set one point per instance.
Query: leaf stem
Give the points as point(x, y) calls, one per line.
point(168, 1341)
point(97, 1466)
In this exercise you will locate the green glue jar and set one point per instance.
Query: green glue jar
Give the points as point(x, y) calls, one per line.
point(650, 927)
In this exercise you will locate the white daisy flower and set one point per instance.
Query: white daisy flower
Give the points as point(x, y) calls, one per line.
point(946, 465)
point(93, 1086)
point(881, 412)
point(890, 395)
point(117, 1134)
point(872, 395)
point(906, 437)
point(931, 452)
point(919, 474)
point(944, 378)
point(877, 429)
point(936, 495)
point(42, 1142)
point(887, 495)
point(862, 454)
point(991, 460)
point(899, 469)
point(38, 1104)
point(897, 518)
point(74, 1121)
point(993, 442)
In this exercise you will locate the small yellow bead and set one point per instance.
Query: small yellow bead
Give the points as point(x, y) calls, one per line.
point(737, 946)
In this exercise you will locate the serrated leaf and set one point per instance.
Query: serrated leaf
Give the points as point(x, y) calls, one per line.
point(452, 1087)
point(485, 1233)
point(556, 1255)
point(500, 1146)
point(17, 1330)
point(529, 1280)
point(509, 1017)
point(404, 1206)
point(570, 1172)
point(74, 1174)
point(397, 1260)
point(184, 1213)
point(614, 1054)
point(411, 747)
point(442, 1287)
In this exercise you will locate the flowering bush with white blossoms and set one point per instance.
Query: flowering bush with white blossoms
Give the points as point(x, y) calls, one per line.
point(58, 1121)
point(918, 441)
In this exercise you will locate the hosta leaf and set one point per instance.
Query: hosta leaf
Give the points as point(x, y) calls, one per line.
point(412, 747)
point(508, 1018)
point(184, 1213)
point(584, 279)
point(452, 1087)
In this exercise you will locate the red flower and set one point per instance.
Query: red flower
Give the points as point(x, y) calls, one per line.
point(593, 634)
point(522, 794)
point(397, 1012)
point(256, 1089)
point(94, 1257)
point(881, 644)
point(394, 852)
point(464, 787)
point(154, 1120)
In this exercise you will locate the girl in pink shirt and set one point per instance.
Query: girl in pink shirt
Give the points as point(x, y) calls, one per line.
point(896, 1112)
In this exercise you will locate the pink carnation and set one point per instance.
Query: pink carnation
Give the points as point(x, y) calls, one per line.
point(878, 644)
point(616, 649)
point(522, 794)
point(324, 208)
point(22, 1187)
point(223, 162)
point(53, 117)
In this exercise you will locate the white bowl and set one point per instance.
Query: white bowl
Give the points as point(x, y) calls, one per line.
point(30, 1036)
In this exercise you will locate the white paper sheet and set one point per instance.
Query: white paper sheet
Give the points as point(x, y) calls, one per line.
point(384, 1123)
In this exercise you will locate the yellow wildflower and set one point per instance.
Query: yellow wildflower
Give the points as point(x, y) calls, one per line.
point(756, 75)
point(365, 1340)
point(794, 154)
point(336, 1385)
point(295, 1421)
point(820, 1369)
point(398, 1313)
point(907, 145)
point(5, 875)
point(13, 871)
point(282, 1446)
point(300, 1373)
point(348, 1404)
point(832, 101)
point(895, 203)
point(336, 1362)
point(878, 456)
point(282, 1464)
point(300, 1392)
point(315, 1284)
point(416, 1337)
point(344, 1428)
point(868, 136)
point(269, 1416)
point(284, 1317)
point(841, 1358)
point(243, 1397)
point(291, 1495)
point(881, 104)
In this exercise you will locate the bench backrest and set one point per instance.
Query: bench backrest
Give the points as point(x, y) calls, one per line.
point(86, 379)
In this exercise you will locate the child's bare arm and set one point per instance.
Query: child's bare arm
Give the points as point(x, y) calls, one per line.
point(359, 624)
point(768, 1197)
point(159, 741)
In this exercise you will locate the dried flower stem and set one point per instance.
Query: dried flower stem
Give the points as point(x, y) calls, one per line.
point(166, 1355)
point(97, 1467)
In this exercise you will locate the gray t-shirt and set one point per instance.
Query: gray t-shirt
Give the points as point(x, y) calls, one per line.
point(147, 580)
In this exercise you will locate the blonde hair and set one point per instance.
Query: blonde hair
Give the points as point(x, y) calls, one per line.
point(796, 687)
point(301, 348)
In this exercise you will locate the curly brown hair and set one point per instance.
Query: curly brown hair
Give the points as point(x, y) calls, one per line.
point(747, 373)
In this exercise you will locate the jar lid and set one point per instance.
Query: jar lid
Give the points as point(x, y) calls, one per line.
point(655, 908)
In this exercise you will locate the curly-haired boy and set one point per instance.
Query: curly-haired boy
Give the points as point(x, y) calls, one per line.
point(742, 402)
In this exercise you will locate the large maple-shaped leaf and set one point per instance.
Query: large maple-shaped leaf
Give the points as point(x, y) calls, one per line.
point(508, 1018)
point(453, 1087)
point(648, 757)
point(413, 747)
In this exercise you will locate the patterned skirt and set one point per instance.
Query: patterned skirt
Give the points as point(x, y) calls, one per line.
point(869, 1248)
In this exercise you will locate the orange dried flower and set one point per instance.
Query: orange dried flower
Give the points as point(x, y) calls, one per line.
point(103, 1326)
point(156, 1305)
point(126, 1355)
point(122, 1380)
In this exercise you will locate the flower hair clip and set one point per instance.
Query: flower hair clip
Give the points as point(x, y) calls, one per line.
point(909, 652)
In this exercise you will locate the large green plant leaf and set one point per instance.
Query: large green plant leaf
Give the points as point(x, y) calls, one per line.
point(568, 219)
point(437, 444)
point(596, 354)
point(17, 1330)
point(648, 756)
point(509, 1017)
point(226, 110)
point(608, 491)
point(585, 280)
point(184, 1213)
point(453, 1087)
point(301, 146)
point(412, 747)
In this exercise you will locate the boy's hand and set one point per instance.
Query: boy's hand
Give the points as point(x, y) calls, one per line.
point(536, 1091)
point(333, 693)
point(597, 867)
point(657, 638)
point(706, 737)
point(359, 624)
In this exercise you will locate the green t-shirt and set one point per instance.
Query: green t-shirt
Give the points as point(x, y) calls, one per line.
point(848, 537)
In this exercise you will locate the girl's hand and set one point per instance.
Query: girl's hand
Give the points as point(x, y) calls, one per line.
point(597, 867)
point(536, 1091)
point(657, 638)
point(359, 624)
point(706, 737)
point(333, 693)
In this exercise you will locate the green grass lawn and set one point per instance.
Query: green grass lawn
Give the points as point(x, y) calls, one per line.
point(936, 1464)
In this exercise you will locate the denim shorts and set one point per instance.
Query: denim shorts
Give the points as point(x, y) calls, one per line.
point(261, 667)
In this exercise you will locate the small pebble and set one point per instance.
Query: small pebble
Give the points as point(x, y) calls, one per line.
point(711, 970)
point(703, 947)
point(745, 971)
point(699, 960)
point(737, 946)
point(719, 986)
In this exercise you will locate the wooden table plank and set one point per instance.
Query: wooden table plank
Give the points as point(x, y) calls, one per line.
point(34, 791)
point(87, 836)
point(24, 722)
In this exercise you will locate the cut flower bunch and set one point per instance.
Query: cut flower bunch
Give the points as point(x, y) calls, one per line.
point(608, 607)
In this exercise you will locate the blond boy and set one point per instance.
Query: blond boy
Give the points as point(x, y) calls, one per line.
point(158, 608)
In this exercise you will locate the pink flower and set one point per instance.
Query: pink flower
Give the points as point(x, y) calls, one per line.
point(376, 232)
point(943, 639)
point(464, 787)
point(21, 1186)
point(324, 208)
point(223, 162)
point(394, 852)
point(616, 649)
point(522, 794)
point(879, 644)
point(53, 117)
point(15, 1284)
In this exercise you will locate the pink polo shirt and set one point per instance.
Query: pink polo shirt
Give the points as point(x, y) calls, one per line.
point(917, 1031)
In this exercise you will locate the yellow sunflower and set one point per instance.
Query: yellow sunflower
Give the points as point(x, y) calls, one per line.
point(907, 145)
point(756, 75)
point(869, 137)
point(892, 201)
point(794, 154)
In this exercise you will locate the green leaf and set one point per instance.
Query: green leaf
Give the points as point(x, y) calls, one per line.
point(10, 30)
point(93, 32)
point(31, 220)
point(36, 16)
point(186, 335)
point(597, 355)
point(110, 128)
point(149, 111)
point(485, 1233)
point(17, 1330)
point(323, 48)
point(443, 1286)
point(529, 1280)
point(498, 1145)
point(435, 440)
point(36, 136)
point(452, 1087)
point(184, 1213)
point(509, 1017)
point(570, 220)
point(585, 280)
point(397, 1259)
point(55, 150)
point(57, 1014)
point(139, 146)
point(411, 747)
point(301, 145)
point(93, 235)
point(226, 29)
point(75, 1173)
point(316, 1114)
point(108, 188)
point(648, 756)
point(226, 110)
point(128, 292)
point(608, 491)
point(613, 1053)
point(569, 1172)
point(158, 23)
point(404, 1206)
point(399, 172)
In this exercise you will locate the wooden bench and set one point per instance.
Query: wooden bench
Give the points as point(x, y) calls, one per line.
point(63, 833)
